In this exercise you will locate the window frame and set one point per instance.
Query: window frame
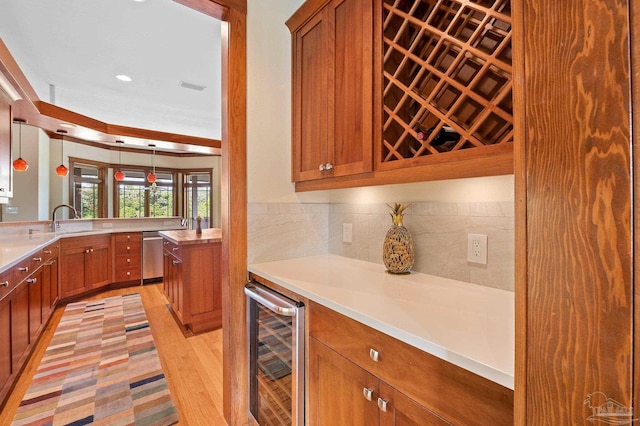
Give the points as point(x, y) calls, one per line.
point(187, 186)
point(145, 170)
point(101, 181)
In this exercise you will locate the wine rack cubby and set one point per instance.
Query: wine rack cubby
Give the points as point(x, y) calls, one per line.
point(447, 78)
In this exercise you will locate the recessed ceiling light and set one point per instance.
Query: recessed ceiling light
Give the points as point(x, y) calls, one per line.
point(123, 77)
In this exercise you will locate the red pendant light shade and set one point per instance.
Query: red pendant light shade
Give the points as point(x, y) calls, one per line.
point(19, 164)
point(62, 170)
point(151, 177)
point(119, 174)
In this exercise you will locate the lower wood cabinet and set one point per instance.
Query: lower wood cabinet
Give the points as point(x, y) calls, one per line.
point(192, 283)
point(29, 295)
point(127, 257)
point(358, 375)
point(85, 264)
point(341, 392)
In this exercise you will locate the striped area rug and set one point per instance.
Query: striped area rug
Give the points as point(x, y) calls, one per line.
point(100, 368)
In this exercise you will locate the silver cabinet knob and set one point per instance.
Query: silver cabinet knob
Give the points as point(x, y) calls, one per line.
point(24, 269)
point(47, 252)
point(4, 284)
point(32, 280)
point(1, 189)
point(128, 273)
point(368, 394)
point(166, 243)
point(37, 259)
point(383, 404)
point(321, 167)
point(374, 355)
point(328, 166)
point(175, 262)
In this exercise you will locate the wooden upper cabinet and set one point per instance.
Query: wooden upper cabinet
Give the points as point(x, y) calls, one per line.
point(6, 171)
point(332, 88)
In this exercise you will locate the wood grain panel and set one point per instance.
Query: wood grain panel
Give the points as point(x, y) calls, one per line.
point(351, 103)
point(578, 210)
point(635, 100)
point(234, 215)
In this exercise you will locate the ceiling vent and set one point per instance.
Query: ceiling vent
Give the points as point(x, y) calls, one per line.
point(192, 86)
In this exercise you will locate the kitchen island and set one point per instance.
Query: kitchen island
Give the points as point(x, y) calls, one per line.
point(192, 277)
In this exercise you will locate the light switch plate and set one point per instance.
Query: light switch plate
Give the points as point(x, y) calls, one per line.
point(477, 249)
point(347, 232)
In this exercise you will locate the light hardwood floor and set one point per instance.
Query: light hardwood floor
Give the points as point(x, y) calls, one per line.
point(192, 364)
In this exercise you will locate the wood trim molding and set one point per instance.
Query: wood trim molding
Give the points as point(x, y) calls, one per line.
point(634, 12)
point(520, 169)
point(234, 216)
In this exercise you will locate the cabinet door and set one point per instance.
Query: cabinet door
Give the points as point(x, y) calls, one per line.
point(337, 389)
point(19, 323)
point(5, 342)
point(400, 410)
point(6, 170)
point(98, 268)
point(34, 283)
point(72, 271)
point(311, 58)
point(350, 105)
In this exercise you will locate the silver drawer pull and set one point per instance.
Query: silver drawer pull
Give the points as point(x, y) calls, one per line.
point(383, 404)
point(321, 167)
point(175, 262)
point(175, 248)
point(37, 259)
point(4, 284)
point(328, 166)
point(166, 243)
point(374, 355)
point(47, 252)
point(368, 394)
point(24, 269)
point(32, 280)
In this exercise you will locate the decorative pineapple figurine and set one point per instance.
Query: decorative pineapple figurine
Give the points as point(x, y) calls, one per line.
point(397, 252)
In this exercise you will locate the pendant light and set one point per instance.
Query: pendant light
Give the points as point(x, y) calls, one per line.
point(119, 174)
point(19, 164)
point(62, 170)
point(151, 177)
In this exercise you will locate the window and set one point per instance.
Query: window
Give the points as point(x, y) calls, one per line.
point(135, 197)
point(198, 197)
point(87, 187)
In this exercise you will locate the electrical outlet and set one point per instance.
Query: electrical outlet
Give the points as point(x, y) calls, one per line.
point(347, 232)
point(477, 248)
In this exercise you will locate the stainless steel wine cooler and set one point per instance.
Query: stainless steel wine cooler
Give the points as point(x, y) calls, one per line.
point(276, 356)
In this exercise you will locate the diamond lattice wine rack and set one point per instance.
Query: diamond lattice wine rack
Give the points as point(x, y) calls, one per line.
point(446, 78)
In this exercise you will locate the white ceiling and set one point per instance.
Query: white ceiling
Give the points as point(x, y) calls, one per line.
point(79, 46)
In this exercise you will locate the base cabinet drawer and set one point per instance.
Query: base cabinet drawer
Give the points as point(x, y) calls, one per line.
point(449, 392)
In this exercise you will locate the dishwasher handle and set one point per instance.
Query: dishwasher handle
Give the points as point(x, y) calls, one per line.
point(272, 300)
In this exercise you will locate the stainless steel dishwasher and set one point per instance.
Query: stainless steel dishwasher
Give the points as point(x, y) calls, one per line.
point(151, 257)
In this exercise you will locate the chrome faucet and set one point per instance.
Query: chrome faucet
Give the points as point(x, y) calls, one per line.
point(54, 223)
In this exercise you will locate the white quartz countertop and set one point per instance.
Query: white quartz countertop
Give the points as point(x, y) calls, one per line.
point(16, 247)
point(468, 325)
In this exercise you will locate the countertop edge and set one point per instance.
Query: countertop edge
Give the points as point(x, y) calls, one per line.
point(491, 373)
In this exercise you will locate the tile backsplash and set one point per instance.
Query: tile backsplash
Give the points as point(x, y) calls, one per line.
point(439, 231)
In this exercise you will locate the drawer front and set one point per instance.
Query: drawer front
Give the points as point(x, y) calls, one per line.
point(7, 282)
point(450, 391)
point(127, 274)
point(172, 248)
point(27, 266)
point(128, 238)
point(124, 261)
point(130, 248)
point(51, 252)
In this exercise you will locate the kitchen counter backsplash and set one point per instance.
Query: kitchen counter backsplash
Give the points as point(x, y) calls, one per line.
point(279, 231)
